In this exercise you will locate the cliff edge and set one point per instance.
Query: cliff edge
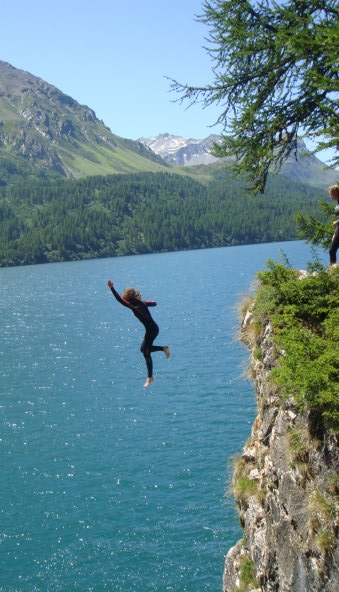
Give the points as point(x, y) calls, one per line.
point(285, 483)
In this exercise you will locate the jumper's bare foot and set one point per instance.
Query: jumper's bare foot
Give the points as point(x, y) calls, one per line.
point(167, 351)
point(149, 381)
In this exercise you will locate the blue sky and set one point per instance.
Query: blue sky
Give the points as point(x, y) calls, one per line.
point(114, 56)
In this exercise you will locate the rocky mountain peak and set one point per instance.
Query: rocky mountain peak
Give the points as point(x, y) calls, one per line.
point(183, 151)
point(302, 166)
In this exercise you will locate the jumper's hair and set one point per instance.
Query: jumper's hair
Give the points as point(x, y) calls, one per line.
point(334, 190)
point(131, 294)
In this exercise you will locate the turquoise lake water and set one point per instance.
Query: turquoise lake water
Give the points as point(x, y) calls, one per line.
point(105, 485)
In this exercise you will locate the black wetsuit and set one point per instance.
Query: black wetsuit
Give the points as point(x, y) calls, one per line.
point(140, 310)
point(335, 241)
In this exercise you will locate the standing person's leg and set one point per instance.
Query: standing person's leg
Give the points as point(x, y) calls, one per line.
point(334, 247)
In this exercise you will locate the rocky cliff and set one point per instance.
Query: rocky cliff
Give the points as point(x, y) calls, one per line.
point(285, 484)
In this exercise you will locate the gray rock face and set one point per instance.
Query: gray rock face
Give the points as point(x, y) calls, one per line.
point(290, 511)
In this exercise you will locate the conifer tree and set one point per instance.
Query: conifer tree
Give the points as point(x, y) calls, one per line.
point(275, 78)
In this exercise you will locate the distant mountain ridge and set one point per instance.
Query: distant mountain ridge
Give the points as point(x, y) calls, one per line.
point(183, 151)
point(40, 126)
point(44, 133)
point(177, 150)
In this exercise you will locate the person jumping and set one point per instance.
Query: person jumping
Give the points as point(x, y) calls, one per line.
point(131, 298)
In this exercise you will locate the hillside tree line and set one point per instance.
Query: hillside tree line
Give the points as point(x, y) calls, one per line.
point(62, 220)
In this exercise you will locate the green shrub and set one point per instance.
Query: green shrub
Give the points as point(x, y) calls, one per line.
point(304, 314)
point(257, 354)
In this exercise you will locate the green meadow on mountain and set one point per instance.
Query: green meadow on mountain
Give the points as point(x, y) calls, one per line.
point(44, 132)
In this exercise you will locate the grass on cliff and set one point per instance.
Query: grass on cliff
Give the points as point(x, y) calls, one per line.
point(324, 513)
point(247, 574)
point(304, 312)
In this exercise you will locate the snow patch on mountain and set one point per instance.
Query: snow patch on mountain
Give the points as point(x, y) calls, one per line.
point(300, 166)
point(167, 144)
point(184, 151)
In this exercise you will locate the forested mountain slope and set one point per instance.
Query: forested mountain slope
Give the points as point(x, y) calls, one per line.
point(63, 220)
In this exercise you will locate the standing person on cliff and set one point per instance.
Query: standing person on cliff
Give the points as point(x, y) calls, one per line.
point(333, 192)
